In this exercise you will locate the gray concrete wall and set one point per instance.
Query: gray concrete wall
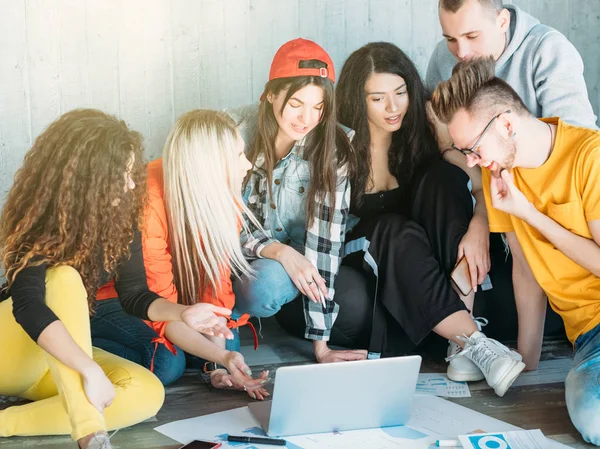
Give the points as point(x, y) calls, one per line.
point(148, 61)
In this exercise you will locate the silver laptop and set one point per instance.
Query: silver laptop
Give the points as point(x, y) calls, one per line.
point(339, 396)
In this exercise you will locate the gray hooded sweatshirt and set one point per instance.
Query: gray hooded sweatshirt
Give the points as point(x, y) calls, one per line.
point(541, 65)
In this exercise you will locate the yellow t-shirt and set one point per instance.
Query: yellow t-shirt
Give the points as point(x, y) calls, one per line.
point(567, 189)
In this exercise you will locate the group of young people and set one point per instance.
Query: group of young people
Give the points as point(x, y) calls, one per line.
point(339, 208)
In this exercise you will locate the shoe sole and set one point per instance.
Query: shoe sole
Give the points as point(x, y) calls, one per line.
point(458, 376)
point(509, 377)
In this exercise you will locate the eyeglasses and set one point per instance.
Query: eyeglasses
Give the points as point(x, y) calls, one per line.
point(467, 151)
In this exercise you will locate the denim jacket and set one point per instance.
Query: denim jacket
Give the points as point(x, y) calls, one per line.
point(284, 218)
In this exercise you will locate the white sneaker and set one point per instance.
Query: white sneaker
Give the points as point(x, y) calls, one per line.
point(461, 369)
point(100, 440)
point(497, 363)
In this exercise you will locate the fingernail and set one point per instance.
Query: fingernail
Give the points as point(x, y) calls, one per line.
point(248, 372)
point(263, 381)
point(229, 383)
point(254, 395)
point(266, 394)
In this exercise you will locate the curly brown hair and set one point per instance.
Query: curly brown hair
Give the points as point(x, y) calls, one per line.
point(70, 204)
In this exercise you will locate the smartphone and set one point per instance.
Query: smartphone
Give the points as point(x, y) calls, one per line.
point(461, 277)
point(197, 444)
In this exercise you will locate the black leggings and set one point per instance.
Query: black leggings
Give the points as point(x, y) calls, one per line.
point(393, 287)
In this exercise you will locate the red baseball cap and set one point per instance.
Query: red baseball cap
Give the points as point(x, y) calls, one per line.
point(301, 57)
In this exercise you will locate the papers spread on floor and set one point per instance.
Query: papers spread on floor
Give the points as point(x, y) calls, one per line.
point(432, 418)
point(439, 385)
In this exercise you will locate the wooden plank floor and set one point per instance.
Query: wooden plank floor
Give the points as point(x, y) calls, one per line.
point(536, 401)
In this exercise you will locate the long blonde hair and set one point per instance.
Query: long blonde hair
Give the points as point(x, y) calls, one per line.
point(203, 200)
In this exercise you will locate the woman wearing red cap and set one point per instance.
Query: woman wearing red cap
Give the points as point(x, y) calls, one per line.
point(299, 190)
point(415, 211)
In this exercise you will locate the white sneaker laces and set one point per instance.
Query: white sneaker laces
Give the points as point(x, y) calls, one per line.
point(454, 350)
point(481, 322)
point(483, 351)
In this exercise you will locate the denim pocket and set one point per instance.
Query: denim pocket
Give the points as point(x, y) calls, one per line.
point(292, 204)
point(297, 185)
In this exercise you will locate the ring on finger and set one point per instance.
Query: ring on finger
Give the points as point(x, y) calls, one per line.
point(245, 388)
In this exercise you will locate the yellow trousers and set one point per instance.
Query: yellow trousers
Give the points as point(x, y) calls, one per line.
point(60, 405)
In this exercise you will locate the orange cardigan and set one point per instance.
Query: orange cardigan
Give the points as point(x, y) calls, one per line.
point(157, 258)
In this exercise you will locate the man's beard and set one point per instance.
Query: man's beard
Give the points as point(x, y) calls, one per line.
point(511, 147)
point(507, 164)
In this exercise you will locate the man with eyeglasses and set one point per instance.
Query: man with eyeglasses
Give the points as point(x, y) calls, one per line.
point(546, 71)
point(541, 180)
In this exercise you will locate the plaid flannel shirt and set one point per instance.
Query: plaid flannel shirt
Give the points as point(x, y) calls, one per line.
point(323, 241)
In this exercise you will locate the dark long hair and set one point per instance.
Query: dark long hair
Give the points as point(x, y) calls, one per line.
point(327, 147)
point(414, 143)
point(60, 209)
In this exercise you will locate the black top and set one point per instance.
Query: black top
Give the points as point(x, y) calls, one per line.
point(28, 292)
point(380, 203)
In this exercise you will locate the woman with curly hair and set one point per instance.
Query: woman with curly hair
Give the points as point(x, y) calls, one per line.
point(69, 224)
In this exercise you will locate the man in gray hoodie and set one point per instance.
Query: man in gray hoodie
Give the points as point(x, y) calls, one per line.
point(536, 60)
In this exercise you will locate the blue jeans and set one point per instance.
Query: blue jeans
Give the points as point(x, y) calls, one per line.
point(129, 337)
point(264, 295)
point(582, 387)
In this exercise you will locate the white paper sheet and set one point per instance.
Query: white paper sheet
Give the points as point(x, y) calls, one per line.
point(439, 385)
point(443, 419)
point(432, 418)
point(522, 439)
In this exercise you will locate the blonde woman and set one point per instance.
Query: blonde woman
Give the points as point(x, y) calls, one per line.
point(191, 247)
